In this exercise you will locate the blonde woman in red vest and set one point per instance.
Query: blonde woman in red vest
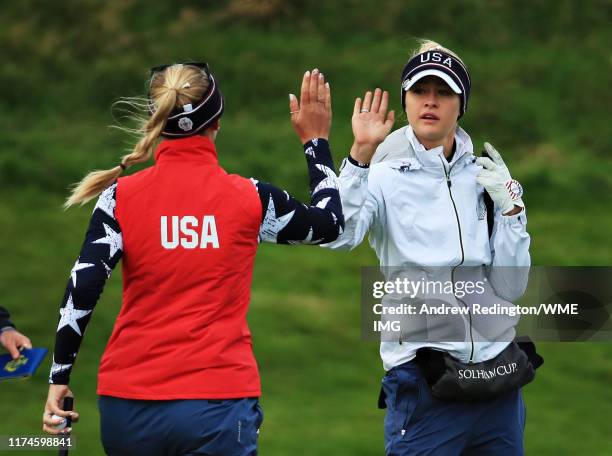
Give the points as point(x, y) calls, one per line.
point(178, 375)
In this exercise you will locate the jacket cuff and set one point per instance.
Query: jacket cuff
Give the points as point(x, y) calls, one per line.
point(356, 163)
point(513, 220)
point(316, 143)
point(347, 168)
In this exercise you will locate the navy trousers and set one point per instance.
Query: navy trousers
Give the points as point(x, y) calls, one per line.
point(418, 424)
point(227, 427)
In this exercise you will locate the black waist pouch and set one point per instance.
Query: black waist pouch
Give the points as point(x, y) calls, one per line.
point(450, 379)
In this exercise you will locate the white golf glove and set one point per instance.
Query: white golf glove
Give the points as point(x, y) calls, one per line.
point(495, 178)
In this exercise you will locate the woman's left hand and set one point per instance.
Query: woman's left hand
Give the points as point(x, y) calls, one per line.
point(371, 124)
point(495, 177)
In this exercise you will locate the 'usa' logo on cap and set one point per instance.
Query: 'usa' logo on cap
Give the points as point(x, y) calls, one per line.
point(436, 57)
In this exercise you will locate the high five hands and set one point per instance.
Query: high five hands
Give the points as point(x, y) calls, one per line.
point(371, 124)
point(311, 116)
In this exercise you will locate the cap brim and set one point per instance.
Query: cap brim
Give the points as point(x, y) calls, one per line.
point(420, 75)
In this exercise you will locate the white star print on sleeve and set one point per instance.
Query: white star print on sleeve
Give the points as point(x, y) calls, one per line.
point(101, 250)
point(321, 204)
point(303, 224)
point(58, 369)
point(106, 201)
point(77, 267)
point(310, 151)
point(271, 225)
point(112, 238)
point(330, 181)
point(70, 315)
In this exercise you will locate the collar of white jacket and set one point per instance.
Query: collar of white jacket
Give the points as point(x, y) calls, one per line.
point(403, 144)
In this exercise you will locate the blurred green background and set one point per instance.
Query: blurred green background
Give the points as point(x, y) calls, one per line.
point(541, 94)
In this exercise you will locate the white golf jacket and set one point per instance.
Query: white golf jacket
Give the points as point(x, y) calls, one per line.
point(422, 211)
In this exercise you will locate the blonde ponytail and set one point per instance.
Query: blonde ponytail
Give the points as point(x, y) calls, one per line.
point(177, 85)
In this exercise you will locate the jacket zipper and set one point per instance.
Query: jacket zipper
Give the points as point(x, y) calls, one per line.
point(450, 192)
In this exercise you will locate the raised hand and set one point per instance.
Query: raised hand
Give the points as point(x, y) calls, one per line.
point(371, 124)
point(311, 116)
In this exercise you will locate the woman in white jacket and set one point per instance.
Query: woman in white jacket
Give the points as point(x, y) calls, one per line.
point(420, 193)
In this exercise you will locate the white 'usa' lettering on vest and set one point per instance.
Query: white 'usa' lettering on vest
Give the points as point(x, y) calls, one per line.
point(186, 232)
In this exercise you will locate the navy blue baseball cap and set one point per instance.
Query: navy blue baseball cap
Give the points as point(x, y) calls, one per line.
point(443, 65)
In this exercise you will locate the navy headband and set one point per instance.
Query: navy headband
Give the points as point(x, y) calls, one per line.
point(190, 119)
point(440, 64)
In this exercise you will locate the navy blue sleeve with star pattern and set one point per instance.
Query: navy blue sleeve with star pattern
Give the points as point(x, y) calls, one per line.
point(100, 253)
point(285, 220)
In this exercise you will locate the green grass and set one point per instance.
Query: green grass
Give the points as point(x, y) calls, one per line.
point(540, 95)
point(320, 380)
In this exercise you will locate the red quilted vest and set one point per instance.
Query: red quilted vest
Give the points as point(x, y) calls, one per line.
point(189, 242)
